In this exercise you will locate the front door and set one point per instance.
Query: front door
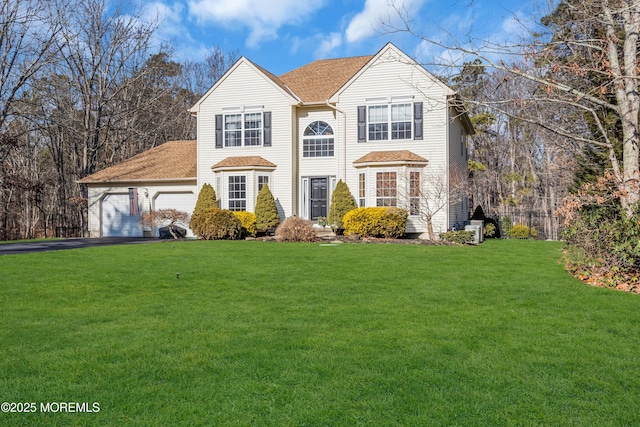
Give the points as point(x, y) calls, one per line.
point(318, 197)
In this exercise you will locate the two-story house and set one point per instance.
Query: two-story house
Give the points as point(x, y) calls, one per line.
point(381, 123)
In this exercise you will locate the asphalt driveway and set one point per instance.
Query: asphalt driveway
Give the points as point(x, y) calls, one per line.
point(75, 243)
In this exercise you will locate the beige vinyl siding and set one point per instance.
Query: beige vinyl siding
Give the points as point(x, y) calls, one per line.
point(458, 212)
point(318, 166)
point(147, 193)
point(247, 86)
point(391, 77)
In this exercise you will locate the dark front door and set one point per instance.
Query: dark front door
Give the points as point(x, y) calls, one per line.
point(318, 196)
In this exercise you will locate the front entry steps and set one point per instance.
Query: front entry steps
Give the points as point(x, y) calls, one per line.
point(324, 233)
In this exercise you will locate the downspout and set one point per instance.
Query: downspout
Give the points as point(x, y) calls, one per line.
point(344, 139)
point(447, 165)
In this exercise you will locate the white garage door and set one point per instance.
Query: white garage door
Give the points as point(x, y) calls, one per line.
point(116, 221)
point(184, 201)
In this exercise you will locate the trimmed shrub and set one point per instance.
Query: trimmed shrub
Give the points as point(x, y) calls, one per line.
point(295, 229)
point(248, 222)
point(217, 224)
point(206, 198)
point(490, 230)
point(376, 222)
point(520, 231)
point(266, 210)
point(342, 201)
point(459, 237)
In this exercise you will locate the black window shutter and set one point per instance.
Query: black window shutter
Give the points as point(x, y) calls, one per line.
point(362, 123)
point(218, 130)
point(417, 120)
point(266, 116)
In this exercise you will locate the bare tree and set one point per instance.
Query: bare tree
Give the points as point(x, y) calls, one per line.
point(583, 63)
point(28, 29)
point(428, 193)
point(170, 218)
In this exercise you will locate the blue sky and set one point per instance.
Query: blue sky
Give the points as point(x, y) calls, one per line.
point(281, 35)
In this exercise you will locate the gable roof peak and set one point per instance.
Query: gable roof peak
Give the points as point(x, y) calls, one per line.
point(317, 81)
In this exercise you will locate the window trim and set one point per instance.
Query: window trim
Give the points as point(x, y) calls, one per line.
point(387, 199)
point(243, 130)
point(318, 138)
point(386, 128)
point(415, 187)
point(242, 190)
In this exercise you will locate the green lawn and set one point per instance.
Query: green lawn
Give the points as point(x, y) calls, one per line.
point(261, 333)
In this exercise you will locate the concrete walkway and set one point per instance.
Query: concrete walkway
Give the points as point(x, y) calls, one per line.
point(75, 243)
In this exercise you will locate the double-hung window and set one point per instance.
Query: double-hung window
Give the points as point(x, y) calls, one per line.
point(237, 193)
point(242, 129)
point(391, 121)
point(386, 189)
point(362, 190)
point(414, 193)
point(252, 129)
point(239, 128)
point(262, 181)
point(233, 130)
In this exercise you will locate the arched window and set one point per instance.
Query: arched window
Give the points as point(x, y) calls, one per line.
point(318, 140)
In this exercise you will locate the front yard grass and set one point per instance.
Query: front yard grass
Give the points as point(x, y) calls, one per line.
point(261, 333)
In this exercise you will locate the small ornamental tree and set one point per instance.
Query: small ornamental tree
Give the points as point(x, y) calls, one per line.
point(169, 218)
point(266, 210)
point(206, 198)
point(341, 202)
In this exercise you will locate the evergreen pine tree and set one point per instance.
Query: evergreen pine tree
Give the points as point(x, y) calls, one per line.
point(206, 199)
point(266, 210)
point(341, 202)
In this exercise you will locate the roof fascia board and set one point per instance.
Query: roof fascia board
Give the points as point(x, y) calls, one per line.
point(138, 181)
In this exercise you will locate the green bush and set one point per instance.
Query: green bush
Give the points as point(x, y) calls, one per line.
point(248, 222)
point(266, 210)
point(505, 225)
point(295, 229)
point(459, 237)
point(376, 222)
point(342, 201)
point(521, 231)
point(216, 224)
point(490, 230)
point(606, 239)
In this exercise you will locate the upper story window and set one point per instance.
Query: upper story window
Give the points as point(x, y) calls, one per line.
point(318, 140)
point(390, 121)
point(243, 129)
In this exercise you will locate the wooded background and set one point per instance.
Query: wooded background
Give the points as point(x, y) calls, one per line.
point(83, 87)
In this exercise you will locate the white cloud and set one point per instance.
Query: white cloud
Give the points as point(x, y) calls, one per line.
point(263, 18)
point(376, 12)
point(328, 45)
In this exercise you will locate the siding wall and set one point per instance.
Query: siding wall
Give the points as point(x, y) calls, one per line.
point(393, 76)
point(246, 86)
point(458, 157)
